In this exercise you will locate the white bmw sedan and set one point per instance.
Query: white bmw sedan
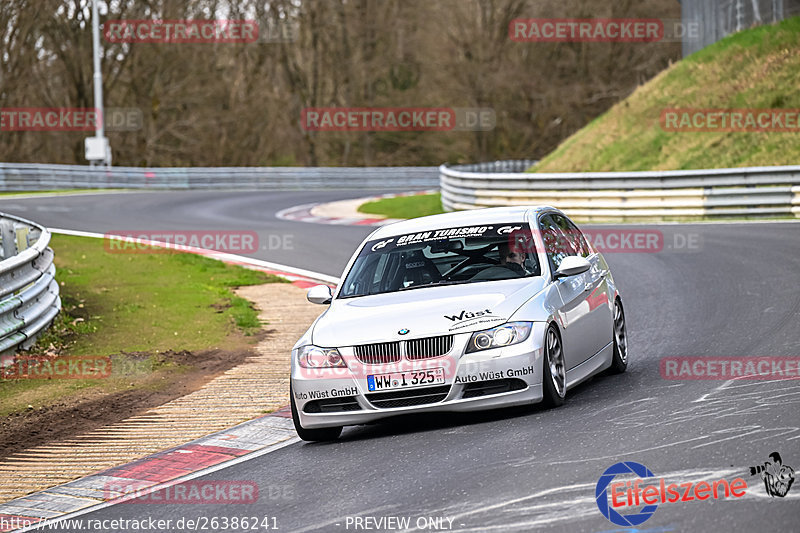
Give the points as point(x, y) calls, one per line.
point(458, 312)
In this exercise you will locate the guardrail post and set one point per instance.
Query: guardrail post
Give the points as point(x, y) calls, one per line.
point(22, 238)
point(8, 238)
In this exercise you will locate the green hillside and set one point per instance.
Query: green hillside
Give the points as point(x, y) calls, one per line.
point(754, 69)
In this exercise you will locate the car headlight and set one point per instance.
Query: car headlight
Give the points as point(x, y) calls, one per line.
point(315, 357)
point(505, 335)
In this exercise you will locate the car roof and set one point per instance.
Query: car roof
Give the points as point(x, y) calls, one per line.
point(490, 215)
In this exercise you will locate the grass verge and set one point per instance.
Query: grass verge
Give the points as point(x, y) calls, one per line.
point(405, 206)
point(150, 312)
point(754, 69)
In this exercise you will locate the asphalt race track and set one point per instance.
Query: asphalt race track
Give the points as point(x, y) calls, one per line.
point(317, 247)
point(736, 292)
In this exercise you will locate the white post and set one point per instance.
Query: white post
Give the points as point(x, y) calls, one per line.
point(98, 151)
point(739, 16)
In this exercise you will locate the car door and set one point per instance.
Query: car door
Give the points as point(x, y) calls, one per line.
point(599, 322)
point(574, 312)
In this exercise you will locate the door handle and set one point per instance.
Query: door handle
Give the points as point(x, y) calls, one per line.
point(588, 287)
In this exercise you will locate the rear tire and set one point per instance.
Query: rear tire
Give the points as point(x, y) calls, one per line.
point(312, 435)
point(619, 359)
point(554, 380)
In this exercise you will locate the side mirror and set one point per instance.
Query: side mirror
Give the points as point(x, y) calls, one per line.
point(319, 294)
point(572, 266)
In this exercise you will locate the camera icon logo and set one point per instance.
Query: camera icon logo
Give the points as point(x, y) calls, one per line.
point(778, 477)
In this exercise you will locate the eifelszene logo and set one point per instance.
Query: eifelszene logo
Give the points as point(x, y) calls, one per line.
point(778, 477)
point(633, 493)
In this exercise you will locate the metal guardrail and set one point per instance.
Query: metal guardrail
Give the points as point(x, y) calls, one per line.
point(29, 298)
point(732, 192)
point(493, 167)
point(36, 177)
point(756, 191)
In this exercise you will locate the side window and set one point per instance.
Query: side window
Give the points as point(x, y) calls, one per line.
point(574, 235)
point(522, 240)
point(379, 272)
point(557, 244)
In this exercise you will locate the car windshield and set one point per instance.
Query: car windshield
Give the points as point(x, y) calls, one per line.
point(446, 256)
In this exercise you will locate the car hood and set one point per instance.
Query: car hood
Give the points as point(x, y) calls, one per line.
point(423, 312)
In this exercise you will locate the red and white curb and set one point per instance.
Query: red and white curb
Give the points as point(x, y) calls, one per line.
point(197, 458)
point(305, 212)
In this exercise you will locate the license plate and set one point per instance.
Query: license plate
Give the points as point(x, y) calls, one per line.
point(402, 380)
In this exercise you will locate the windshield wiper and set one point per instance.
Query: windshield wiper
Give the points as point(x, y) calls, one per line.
point(457, 282)
point(440, 283)
point(412, 287)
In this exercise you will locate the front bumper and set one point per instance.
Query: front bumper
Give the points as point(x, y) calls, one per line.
point(498, 377)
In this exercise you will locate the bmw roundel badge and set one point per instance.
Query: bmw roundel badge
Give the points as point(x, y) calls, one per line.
point(403, 331)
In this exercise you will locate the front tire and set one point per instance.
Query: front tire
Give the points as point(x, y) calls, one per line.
point(619, 360)
point(554, 381)
point(312, 435)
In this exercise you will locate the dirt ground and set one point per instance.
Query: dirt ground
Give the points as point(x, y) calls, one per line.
point(93, 408)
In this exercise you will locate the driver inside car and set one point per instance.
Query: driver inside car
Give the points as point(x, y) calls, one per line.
point(512, 258)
